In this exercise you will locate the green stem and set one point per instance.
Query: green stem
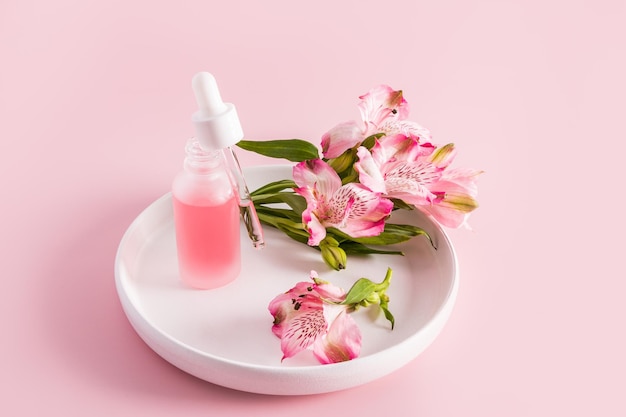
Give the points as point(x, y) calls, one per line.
point(281, 222)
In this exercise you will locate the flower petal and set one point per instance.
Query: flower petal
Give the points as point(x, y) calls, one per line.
point(358, 211)
point(465, 178)
point(411, 182)
point(317, 231)
point(399, 148)
point(445, 215)
point(329, 292)
point(382, 103)
point(369, 171)
point(299, 299)
point(456, 201)
point(407, 128)
point(443, 156)
point(341, 138)
point(317, 175)
point(341, 343)
point(302, 331)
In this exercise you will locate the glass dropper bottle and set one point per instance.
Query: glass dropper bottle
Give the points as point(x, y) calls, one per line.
point(218, 127)
point(210, 195)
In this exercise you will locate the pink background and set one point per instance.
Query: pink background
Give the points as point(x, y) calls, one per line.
point(95, 103)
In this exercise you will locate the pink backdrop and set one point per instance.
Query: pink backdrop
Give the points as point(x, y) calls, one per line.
point(94, 109)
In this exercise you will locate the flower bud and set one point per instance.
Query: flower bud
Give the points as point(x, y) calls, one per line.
point(333, 255)
point(373, 298)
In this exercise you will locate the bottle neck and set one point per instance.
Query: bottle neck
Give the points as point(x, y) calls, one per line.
point(202, 162)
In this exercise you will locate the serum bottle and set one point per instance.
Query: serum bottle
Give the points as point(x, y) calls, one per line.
point(210, 195)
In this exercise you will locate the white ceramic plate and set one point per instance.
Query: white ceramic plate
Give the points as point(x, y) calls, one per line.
point(224, 335)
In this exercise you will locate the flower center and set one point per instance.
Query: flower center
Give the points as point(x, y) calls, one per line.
point(416, 177)
point(346, 204)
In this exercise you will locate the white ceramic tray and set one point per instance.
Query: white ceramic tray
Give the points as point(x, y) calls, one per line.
point(224, 335)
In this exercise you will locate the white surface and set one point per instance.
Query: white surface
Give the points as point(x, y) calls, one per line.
point(224, 335)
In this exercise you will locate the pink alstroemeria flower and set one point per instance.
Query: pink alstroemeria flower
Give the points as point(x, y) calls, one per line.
point(400, 167)
point(309, 316)
point(352, 208)
point(383, 110)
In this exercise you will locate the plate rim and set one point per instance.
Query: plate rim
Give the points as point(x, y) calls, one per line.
point(432, 326)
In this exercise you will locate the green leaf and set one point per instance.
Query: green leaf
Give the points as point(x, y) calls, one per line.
point(384, 239)
point(370, 141)
point(276, 198)
point(388, 316)
point(279, 212)
point(274, 217)
point(348, 176)
point(294, 234)
point(396, 233)
point(295, 150)
point(355, 248)
point(400, 204)
point(261, 199)
point(274, 187)
point(343, 162)
point(296, 202)
point(392, 234)
point(360, 290)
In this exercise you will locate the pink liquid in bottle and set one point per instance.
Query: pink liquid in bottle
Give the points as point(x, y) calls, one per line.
point(208, 243)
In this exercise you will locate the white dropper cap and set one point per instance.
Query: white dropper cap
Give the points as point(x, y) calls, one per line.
point(217, 124)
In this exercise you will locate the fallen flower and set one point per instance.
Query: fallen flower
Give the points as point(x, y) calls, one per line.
point(316, 315)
